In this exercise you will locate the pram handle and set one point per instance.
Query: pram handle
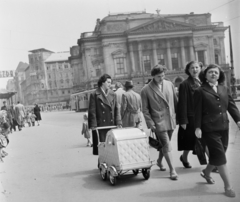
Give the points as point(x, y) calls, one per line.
point(101, 128)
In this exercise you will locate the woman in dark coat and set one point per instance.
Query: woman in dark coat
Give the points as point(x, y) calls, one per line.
point(212, 102)
point(186, 136)
point(36, 111)
point(103, 110)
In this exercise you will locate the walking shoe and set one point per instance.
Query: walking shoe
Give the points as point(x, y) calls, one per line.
point(230, 193)
point(207, 178)
point(162, 168)
point(173, 175)
point(185, 164)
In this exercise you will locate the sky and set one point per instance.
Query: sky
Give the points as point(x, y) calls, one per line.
point(56, 25)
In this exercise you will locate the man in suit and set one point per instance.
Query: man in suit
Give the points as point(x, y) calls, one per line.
point(159, 101)
point(131, 107)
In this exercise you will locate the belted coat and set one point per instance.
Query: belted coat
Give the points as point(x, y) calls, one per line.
point(159, 107)
point(103, 111)
point(211, 108)
point(131, 108)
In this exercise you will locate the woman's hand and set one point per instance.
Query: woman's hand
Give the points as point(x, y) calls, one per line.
point(119, 126)
point(238, 124)
point(198, 133)
point(184, 126)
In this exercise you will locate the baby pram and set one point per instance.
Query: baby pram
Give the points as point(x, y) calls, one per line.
point(124, 149)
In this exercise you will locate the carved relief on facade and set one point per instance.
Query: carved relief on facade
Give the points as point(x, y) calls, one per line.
point(160, 26)
point(197, 21)
point(119, 27)
point(200, 42)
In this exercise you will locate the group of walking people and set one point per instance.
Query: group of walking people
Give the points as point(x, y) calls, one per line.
point(12, 117)
point(18, 115)
point(200, 109)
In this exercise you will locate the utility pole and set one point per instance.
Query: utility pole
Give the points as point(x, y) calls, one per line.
point(233, 79)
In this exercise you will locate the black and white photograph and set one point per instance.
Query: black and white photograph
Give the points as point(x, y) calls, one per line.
point(116, 100)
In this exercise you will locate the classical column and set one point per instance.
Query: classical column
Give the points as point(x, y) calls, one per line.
point(154, 48)
point(191, 49)
point(222, 47)
point(205, 57)
point(196, 56)
point(211, 49)
point(182, 53)
point(169, 55)
point(132, 57)
point(140, 57)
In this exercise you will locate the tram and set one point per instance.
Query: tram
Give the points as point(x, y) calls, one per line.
point(80, 100)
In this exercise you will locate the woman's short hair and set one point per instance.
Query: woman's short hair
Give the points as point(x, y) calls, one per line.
point(203, 74)
point(103, 79)
point(190, 64)
point(158, 69)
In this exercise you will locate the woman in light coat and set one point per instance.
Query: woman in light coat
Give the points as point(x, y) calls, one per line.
point(159, 103)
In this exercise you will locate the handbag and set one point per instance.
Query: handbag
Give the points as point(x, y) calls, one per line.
point(200, 151)
point(153, 141)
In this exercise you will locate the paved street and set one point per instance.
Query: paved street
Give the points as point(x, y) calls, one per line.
point(51, 163)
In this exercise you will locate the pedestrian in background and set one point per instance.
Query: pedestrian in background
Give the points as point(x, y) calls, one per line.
point(119, 92)
point(131, 107)
point(37, 111)
point(20, 114)
point(28, 118)
point(85, 130)
point(212, 102)
point(32, 118)
point(103, 110)
point(159, 105)
point(186, 131)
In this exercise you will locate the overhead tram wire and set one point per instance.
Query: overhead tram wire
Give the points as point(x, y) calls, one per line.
point(221, 5)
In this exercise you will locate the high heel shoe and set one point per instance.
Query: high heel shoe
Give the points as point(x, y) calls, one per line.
point(173, 176)
point(185, 164)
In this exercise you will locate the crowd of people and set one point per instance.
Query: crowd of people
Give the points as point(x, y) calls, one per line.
point(199, 107)
point(13, 117)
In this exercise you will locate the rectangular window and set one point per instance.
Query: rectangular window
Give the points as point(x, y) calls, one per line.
point(59, 66)
point(120, 65)
point(175, 61)
point(66, 66)
point(200, 55)
point(217, 59)
point(49, 76)
point(147, 63)
point(63, 92)
point(161, 59)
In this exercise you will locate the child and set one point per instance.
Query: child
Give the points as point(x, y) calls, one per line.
point(85, 130)
point(33, 118)
point(28, 120)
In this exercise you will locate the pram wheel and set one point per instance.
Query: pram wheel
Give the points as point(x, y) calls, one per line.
point(135, 172)
point(112, 179)
point(103, 171)
point(146, 173)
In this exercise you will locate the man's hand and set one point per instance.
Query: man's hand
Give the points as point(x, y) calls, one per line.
point(198, 133)
point(119, 126)
point(184, 126)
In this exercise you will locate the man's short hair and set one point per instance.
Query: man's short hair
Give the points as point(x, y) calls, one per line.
point(158, 69)
point(118, 85)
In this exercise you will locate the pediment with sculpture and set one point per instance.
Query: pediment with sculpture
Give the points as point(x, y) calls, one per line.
point(160, 25)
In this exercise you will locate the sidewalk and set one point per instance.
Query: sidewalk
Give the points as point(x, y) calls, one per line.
point(2, 191)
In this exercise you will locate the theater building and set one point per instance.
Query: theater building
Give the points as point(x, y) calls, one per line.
point(127, 45)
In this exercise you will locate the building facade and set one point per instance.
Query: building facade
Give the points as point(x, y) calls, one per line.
point(19, 78)
point(127, 46)
point(36, 83)
point(59, 76)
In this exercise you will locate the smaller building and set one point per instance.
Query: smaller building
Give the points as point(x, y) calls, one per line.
point(59, 78)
